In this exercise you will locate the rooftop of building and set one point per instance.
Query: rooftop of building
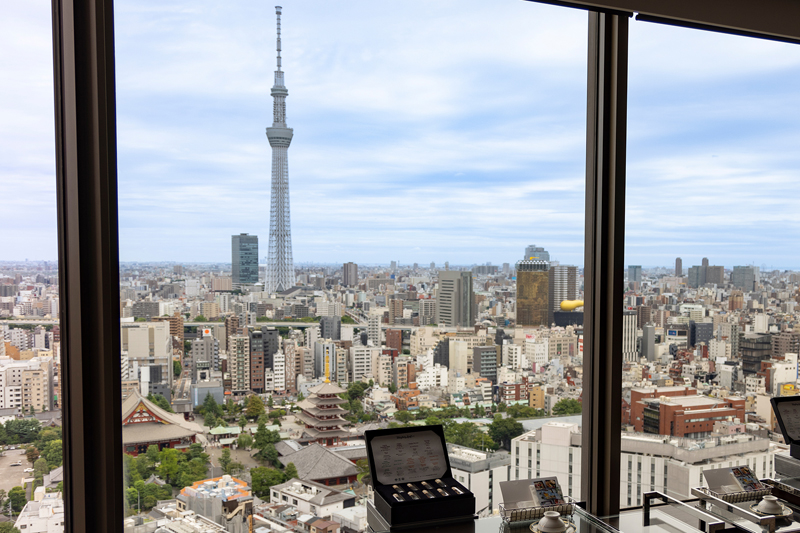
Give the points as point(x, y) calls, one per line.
point(317, 462)
point(312, 492)
point(225, 488)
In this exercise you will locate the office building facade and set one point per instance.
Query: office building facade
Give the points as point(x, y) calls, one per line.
point(244, 259)
point(533, 282)
point(454, 301)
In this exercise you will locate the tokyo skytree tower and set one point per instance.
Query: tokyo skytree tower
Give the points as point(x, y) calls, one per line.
point(280, 269)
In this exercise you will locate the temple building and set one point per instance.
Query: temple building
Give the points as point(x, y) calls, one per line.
point(144, 423)
point(322, 415)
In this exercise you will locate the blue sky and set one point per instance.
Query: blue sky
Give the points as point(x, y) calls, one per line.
point(424, 131)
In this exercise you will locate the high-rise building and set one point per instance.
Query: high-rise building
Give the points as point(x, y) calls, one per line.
point(454, 301)
point(715, 275)
point(374, 330)
point(395, 309)
point(239, 363)
point(634, 273)
point(629, 351)
point(704, 262)
point(533, 280)
point(330, 327)
point(563, 282)
point(536, 253)
point(264, 343)
point(649, 342)
point(678, 267)
point(746, 277)
point(393, 266)
point(204, 357)
point(280, 267)
point(350, 275)
point(394, 339)
point(244, 259)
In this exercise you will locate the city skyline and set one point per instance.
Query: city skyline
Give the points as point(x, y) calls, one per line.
point(405, 152)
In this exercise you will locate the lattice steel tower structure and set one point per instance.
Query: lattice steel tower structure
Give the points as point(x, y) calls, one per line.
point(280, 268)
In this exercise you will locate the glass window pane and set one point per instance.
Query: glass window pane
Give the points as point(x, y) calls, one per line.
point(30, 339)
point(423, 162)
point(710, 307)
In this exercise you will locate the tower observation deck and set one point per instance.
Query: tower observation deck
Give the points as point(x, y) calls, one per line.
point(280, 267)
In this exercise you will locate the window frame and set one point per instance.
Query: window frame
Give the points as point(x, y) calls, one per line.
point(88, 240)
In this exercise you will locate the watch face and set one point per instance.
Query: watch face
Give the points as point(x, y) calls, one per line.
point(789, 418)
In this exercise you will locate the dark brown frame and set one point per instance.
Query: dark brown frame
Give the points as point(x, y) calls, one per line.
point(88, 254)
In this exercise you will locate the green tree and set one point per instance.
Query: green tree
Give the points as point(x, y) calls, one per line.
point(40, 467)
point(502, 430)
point(17, 498)
point(54, 453)
point(177, 368)
point(153, 453)
point(23, 431)
point(356, 390)
point(211, 407)
point(463, 434)
point(31, 453)
point(242, 422)
point(392, 388)
point(200, 318)
point(33, 410)
point(255, 407)
point(225, 461)
point(433, 420)
point(566, 407)
point(3, 500)
point(160, 401)
point(270, 454)
point(362, 465)
point(403, 416)
point(244, 440)
point(170, 469)
point(263, 478)
point(291, 471)
point(8, 527)
point(46, 435)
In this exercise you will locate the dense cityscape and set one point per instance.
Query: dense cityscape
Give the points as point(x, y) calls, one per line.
point(220, 378)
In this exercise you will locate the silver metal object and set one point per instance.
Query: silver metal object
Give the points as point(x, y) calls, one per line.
point(280, 267)
point(713, 523)
point(706, 499)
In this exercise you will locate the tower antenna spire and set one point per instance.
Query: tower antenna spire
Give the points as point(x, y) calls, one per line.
point(278, 12)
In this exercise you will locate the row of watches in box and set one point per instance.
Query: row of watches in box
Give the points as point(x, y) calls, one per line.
point(409, 491)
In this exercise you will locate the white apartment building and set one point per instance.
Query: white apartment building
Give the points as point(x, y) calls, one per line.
point(44, 514)
point(279, 371)
point(310, 497)
point(361, 362)
point(148, 343)
point(26, 384)
point(481, 472)
point(432, 377)
point(511, 355)
point(672, 465)
point(383, 370)
point(374, 332)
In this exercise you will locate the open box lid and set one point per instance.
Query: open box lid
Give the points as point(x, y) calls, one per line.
point(787, 412)
point(407, 455)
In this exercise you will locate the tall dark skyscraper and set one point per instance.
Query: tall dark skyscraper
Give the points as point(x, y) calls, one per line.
point(244, 259)
point(678, 266)
point(533, 283)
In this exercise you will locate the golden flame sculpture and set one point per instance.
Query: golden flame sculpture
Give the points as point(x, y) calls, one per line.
point(571, 305)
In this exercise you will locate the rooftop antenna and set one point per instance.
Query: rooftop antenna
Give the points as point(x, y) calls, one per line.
point(278, 12)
